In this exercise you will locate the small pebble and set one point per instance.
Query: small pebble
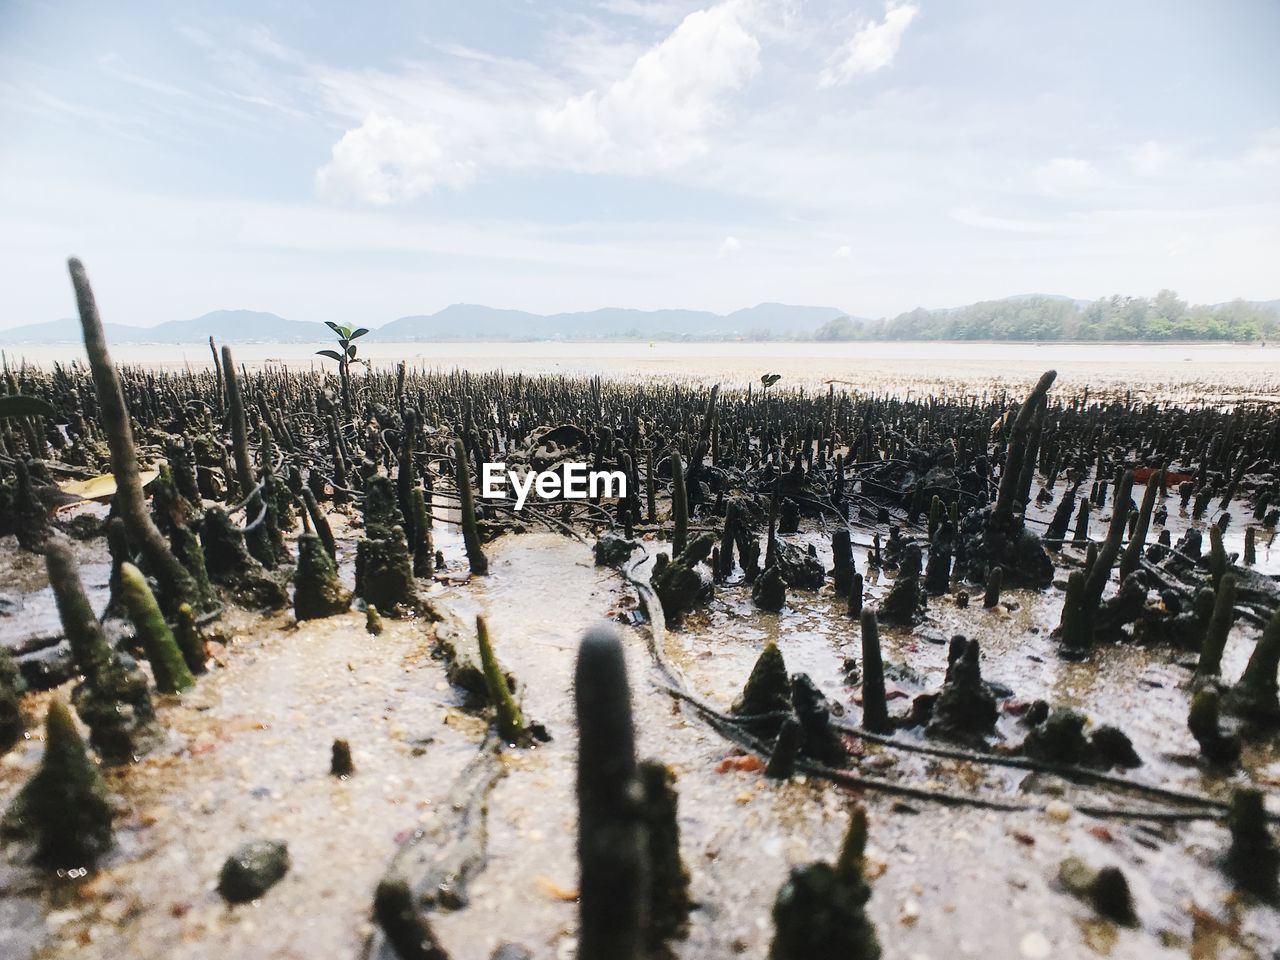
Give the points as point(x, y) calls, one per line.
point(1035, 946)
point(1058, 810)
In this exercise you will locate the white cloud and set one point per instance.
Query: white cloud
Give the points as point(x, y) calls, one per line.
point(385, 160)
point(843, 253)
point(873, 47)
point(1150, 159)
point(1064, 175)
point(729, 246)
point(660, 114)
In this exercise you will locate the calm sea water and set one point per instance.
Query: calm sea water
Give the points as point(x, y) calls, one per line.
point(1213, 371)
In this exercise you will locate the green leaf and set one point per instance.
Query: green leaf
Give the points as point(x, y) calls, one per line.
point(356, 334)
point(769, 379)
point(17, 405)
point(333, 326)
point(331, 354)
point(351, 351)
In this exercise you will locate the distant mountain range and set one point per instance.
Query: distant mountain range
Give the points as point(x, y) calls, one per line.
point(461, 321)
point(243, 326)
point(465, 321)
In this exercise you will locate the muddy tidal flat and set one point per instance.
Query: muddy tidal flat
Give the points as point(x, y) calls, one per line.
point(917, 652)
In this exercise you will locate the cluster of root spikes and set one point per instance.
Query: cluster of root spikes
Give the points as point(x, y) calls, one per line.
point(222, 483)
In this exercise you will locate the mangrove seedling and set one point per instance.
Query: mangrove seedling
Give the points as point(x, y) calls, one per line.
point(345, 355)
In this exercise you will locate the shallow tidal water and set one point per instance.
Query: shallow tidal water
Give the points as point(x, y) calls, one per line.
point(1187, 372)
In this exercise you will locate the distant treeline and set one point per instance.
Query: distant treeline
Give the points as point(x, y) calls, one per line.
point(1162, 317)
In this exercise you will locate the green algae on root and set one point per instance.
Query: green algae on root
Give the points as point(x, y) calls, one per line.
point(113, 698)
point(510, 720)
point(317, 591)
point(613, 908)
point(384, 572)
point(64, 806)
point(253, 870)
point(167, 663)
point(190, 641)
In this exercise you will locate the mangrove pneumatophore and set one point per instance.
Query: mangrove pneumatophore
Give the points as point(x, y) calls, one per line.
point(63, 809)
point(1252, 860)
point(613, 907)
point(510, 719)
point(176, 584)
point(317, 591)
point(478, 562)
point(157, 640)
point(112, 698)
point(820, 912)
point(12, 686)
point(669, 900)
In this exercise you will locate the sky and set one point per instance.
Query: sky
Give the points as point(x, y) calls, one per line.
point(361, 162)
